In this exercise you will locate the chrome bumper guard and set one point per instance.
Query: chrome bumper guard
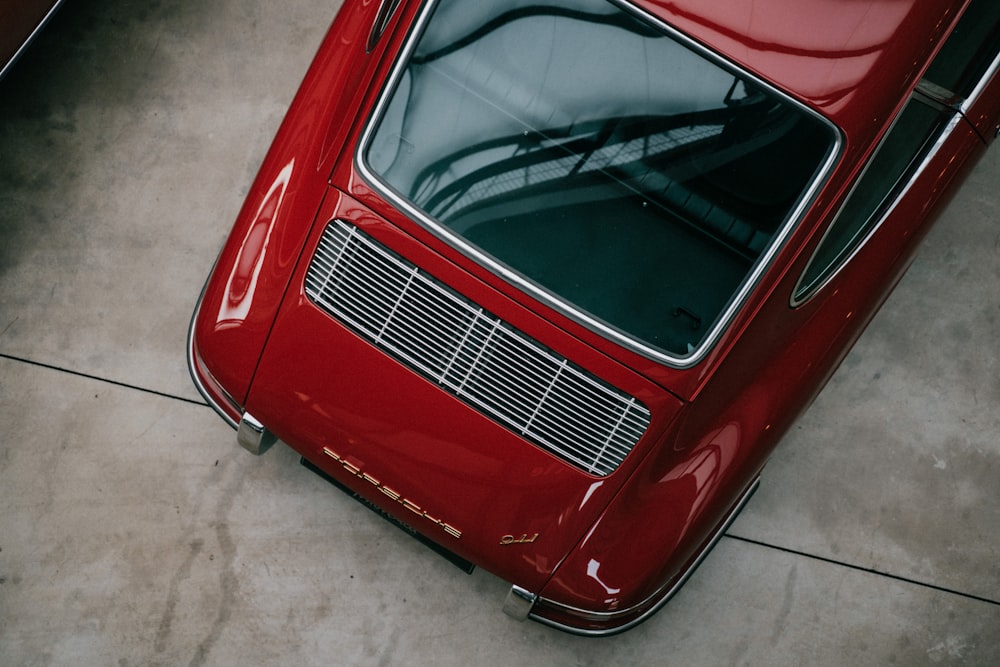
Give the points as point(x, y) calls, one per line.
point(252, 435)
point(519, 603)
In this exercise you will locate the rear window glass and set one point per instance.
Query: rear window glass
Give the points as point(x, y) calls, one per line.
point(609, 166)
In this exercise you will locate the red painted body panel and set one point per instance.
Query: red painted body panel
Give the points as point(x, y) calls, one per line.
point(854, 61)
point(339, 392)
point(608, 549)
point(724, 437)
point(253, 269)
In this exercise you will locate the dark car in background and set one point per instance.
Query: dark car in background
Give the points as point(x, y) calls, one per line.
point(20, 20)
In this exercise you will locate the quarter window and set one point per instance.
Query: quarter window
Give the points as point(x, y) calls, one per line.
point(934, 107)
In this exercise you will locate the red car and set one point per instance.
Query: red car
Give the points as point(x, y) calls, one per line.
point(545, 282)
point(20, 21)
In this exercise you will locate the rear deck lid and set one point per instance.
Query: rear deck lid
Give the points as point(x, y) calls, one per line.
point(458, 411)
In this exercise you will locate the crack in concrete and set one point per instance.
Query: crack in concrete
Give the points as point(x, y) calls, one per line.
point(228, 581)
point(173, 596)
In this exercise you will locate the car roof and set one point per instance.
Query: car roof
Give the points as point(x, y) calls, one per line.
point(854, 61)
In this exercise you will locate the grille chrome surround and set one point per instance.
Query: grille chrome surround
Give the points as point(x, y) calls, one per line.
point(474, 355)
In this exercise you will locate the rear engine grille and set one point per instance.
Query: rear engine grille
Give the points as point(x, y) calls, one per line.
point(477, 357)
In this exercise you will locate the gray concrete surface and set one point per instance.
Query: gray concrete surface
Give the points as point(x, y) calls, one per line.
point(133, 531)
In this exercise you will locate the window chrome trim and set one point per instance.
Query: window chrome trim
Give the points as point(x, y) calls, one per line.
point(882, 210)
point(991, 72)
point(386, 9)
point(961, 110)
point(576, 314)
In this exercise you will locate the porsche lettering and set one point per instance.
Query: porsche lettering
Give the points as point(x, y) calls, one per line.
point(391, 494)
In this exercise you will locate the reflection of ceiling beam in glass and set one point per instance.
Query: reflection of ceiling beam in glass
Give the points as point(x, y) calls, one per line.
point(653, 158)
point(623, 150)
point(542, 135)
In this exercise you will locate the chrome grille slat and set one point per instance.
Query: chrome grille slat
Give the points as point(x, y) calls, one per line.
point(472, 354)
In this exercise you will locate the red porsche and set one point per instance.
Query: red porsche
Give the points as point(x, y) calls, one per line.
point(546, 281)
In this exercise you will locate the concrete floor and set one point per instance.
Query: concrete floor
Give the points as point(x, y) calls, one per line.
point(133, 530)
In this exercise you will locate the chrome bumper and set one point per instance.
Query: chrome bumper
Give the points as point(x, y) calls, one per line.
point(252, 435)
point(519, 603)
